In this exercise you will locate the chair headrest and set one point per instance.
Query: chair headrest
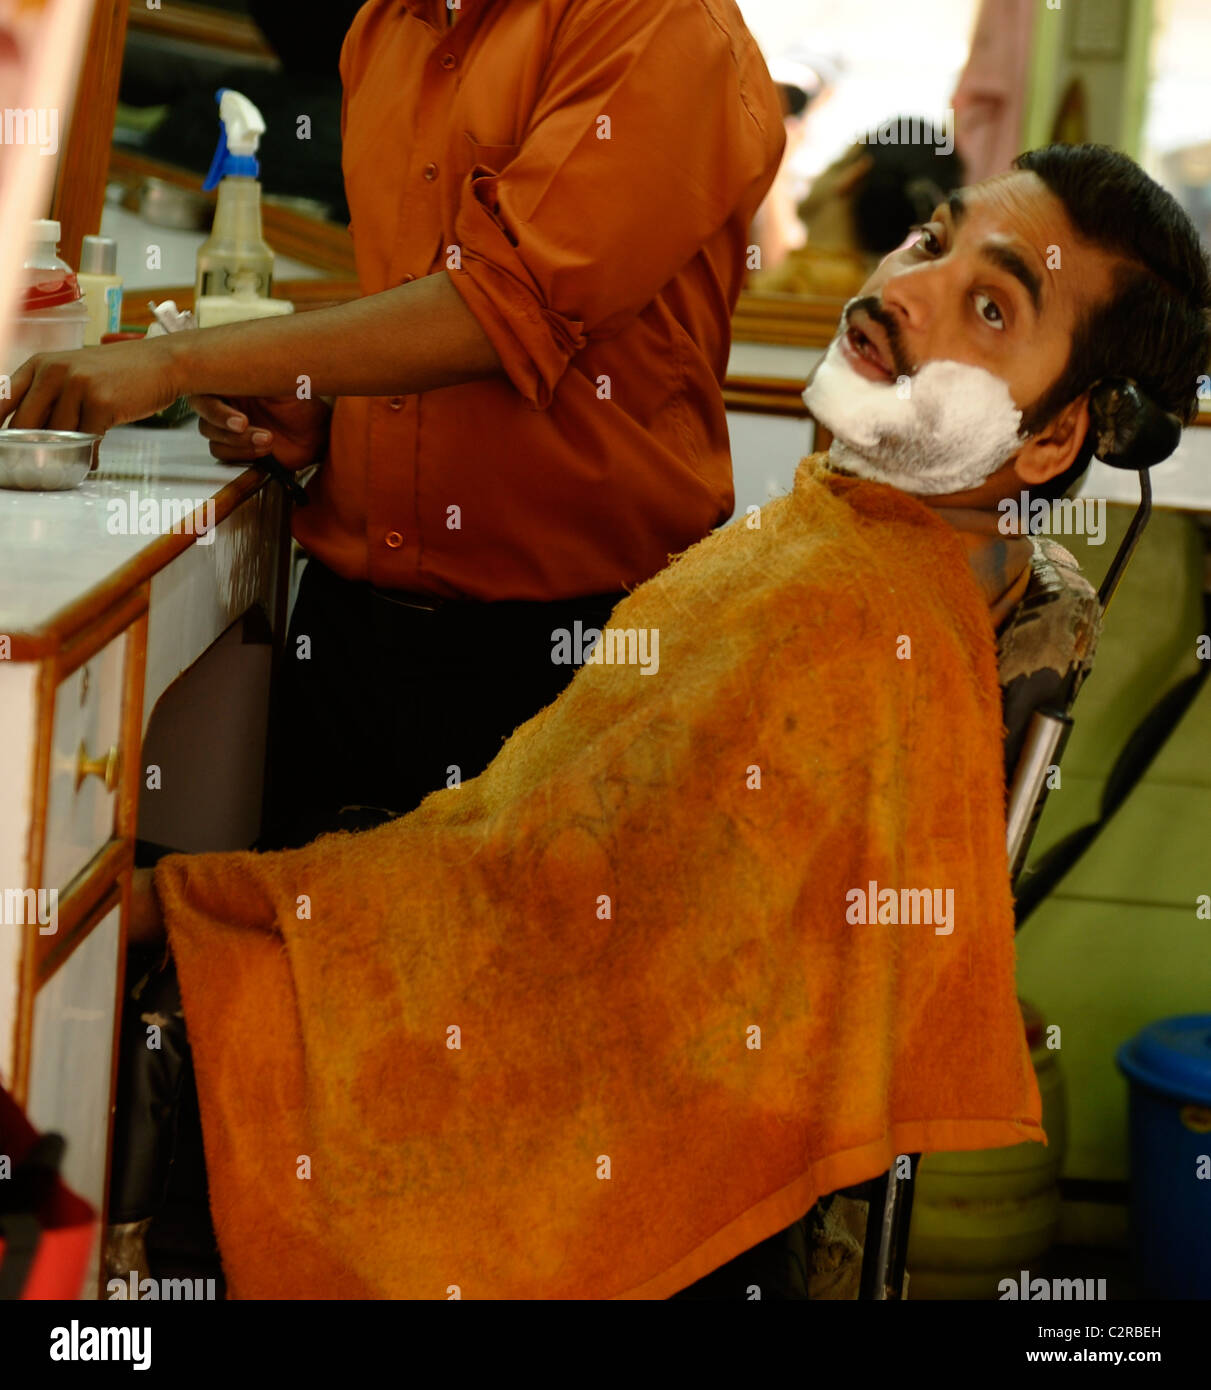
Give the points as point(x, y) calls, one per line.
point(1132, 431)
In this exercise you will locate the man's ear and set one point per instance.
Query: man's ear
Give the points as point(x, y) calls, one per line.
point(1054, 449)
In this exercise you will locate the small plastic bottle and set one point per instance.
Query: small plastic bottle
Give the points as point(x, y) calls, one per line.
point(235, 265)
point(102, 287)
point(51, 314)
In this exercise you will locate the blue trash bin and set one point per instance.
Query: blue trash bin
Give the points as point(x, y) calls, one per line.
point(1169, 1067)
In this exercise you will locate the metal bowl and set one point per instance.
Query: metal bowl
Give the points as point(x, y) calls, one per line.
point(46, 460)
point(165, 205)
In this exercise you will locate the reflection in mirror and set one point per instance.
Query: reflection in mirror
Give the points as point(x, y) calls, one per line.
point(867, 95)
point(167, 127)
point(1177, 124)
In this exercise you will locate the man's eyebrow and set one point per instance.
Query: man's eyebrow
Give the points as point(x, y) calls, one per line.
point(1009, 260)
point(1014, 264)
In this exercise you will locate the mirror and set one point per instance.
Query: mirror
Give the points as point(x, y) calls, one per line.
point(134, 169)
point(867, 93)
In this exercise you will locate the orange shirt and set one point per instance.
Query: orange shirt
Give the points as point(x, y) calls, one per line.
point(586, 170)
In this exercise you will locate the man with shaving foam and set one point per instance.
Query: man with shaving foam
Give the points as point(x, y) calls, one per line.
point(675, 1029)
point(965, 370)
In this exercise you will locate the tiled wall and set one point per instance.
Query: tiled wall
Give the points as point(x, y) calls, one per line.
point(1118, 944)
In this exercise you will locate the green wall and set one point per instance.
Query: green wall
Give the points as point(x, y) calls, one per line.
point(1118, 943)
point(1115, 87)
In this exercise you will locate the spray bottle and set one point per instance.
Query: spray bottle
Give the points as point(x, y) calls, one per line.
point(235, 266)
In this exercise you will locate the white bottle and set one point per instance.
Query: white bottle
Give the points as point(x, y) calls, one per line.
point(102, 287)
point(51, 315)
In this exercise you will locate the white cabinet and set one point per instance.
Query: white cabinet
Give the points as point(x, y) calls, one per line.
point(72, 1056)
point(84, 768)
point(98, 625)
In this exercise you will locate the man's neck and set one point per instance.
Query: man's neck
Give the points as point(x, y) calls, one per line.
point(1000, 562)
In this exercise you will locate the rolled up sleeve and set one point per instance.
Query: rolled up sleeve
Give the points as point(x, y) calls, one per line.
point(652, 131)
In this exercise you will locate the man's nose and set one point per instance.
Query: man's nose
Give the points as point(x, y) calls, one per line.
point(907, 296)
point(914, 299)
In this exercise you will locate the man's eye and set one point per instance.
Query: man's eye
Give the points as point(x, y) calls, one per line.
point(927, 241)
point(988, 311)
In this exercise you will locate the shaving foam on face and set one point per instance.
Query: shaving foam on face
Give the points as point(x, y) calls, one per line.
point(943, 430)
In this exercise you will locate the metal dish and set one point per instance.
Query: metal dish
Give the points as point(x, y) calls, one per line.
point(46, 460)
point(165, 205)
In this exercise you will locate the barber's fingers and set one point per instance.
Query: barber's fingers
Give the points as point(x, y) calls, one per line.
point(69, 410)
point(18, 385)
point(34, 392)
point(220, 414)
point(231, 446)
point(232, 437)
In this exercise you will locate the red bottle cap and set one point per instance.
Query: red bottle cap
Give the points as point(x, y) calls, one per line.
point(50, 293)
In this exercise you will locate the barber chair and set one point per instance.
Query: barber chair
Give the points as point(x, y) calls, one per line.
point(1044, 652)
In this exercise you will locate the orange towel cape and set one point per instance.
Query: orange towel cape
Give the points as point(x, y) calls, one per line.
point(596, 1021)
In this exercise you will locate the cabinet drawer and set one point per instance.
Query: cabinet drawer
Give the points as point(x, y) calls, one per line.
point(84, 764)
point(71, 1052)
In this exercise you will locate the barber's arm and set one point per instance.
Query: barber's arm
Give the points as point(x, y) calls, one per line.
point(416, 337)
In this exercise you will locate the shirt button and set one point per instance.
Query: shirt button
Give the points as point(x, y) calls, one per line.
point(449, 61)
point(394, 539)
point(430, 172)
point(396, 402)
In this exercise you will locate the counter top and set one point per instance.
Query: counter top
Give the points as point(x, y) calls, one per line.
point(1182, 482)
point(155, 492)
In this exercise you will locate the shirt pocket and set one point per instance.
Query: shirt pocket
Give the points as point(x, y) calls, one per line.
point(489, 159)
point(487, 163)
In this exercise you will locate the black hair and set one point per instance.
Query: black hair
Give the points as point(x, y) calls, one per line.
point(794, 98)
point(1155, 328)
point(905, 183)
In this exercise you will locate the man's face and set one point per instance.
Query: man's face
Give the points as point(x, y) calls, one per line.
point(998, 279)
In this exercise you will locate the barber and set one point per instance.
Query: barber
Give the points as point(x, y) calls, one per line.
point(550, 206)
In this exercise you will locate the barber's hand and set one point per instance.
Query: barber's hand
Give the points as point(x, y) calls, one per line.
point(243, 429)
point(94, 388)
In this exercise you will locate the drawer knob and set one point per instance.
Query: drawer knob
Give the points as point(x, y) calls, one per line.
point(105, 768)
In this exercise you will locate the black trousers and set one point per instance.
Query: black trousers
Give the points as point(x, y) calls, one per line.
point(378, 703)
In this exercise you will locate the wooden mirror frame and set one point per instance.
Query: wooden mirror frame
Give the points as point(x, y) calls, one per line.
point(780, 320)
point(79, 194)
point(788, 320)
point(202, 24)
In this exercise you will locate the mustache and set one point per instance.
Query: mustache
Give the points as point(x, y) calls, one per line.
point(889, 324)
